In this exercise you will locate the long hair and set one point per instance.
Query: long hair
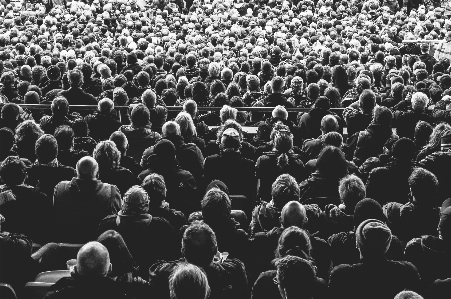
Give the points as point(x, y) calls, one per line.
point(294, 241)
point(283, 144)
point(187, 127)
point(28, 131)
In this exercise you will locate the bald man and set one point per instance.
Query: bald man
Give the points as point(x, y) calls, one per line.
point(80, 204)
point(90, 277)
point(104, 121)
point(292, 214)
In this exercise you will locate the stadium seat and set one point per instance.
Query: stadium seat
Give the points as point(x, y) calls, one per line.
point(36, 290)
point(52, 276)
point(7, 291)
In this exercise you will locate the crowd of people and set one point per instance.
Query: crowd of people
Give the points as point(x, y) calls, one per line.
point(186, 204)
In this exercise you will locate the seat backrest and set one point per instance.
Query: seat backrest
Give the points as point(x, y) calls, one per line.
point(7, 291)
point(36, 290)
point(52, 276)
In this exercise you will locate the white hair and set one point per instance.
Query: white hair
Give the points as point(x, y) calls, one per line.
point(419, 101)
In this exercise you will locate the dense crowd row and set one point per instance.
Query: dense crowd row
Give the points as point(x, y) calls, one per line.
point(189, 205)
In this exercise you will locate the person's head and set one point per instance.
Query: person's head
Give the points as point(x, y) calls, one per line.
point(382, 116)
point(60, 106)
point(332, 162)
point(230, 140)
point(227, 113)
point(295, 277)
point(329, 124)
point(277, 84)
point(149, 98)
point(46, 148)
point(216, 206)
point(135, 201)
point(373, 238)
point(107, 155)
point(367, 101)
point(404, 149)
point(444, 225)
point(87, 168)
point(199, 245)
point(65, 137)
point(408, 295)
point(80, 127)
point(190, 107)
point(187, 127)
point(10, 112)
point(366, 209)
point(28, 131)
point(188, 281)
point(423, 187)
point(155, 187)
point(105, 106)
point(423, 132)
point(351, 190)
point(294, 241)
point(170, 128)
point(283, 144)
point(140, 116)
point(75, 77)
point(93, 260)
point(13, 171)
point(6, 140)
point(293, 214)
point(419, 101)
point(280, 112)
point(284, 189)
point(121, 141)
point(120, 256)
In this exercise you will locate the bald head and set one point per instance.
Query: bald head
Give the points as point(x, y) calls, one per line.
point(105, 106)
point(93, 260)
point(87, 168)
point(149, 98)
point(293, 214)
point(190, 107)
point(329, 124)
point(170, 128)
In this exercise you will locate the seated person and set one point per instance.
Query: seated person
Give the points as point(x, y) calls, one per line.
point(126, 161)
point(82, 141)
point(67, 155)
point(188, 282)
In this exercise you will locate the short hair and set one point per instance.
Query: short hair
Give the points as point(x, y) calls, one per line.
point(13, 171)
point(382, 116)
point(408, 295)
point(284, 189)
point(367, 101)
point(155, 187)
point(60, 106)
point(149, 98)
point(351, 190)
point(170, 128)
point(188, 281)
point(27, 131)
point(423, 185)
point(329, 124)
point(190, 106)
point(46, 148)
point(64, 136)
point(105, 105)
point(75, 77)
point(80, 127)
point(87, 168)
point(140, 116)
point(93, 260)
point(294, 241)
point(199, 244)
point(216, 205)
point(332, 162)
point(280, 112)
point(107, 155)
point(419, 101)
point(187, 127)
point(10, 111)
point(296, 276)
point(277, 84)
point(333, 138)
point(227, 112)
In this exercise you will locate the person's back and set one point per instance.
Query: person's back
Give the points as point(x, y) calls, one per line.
point(80, 204)
point(103, 123)
point(406, 121)
point(75, 95)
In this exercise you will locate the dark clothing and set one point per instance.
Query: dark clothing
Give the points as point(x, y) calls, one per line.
point(430, 255)
point(237, 172)
point(429, 61)
point(101, 126)
point(77, 96)
point(318, 185)
point(355, 120)
point(276, 99)
point(175, 218)
point(439, 164)
point(135, 67)
point(267, 170)
point(71, 157)
point(310, 123)
point(51, 85)
point(265, 287)
point(27, 211)
point(405, 122)
point(338, 219)
point(148, 238)
point(227, 279)
point(79, 206)
point(46, 177)
point(344, 251)
point(265, 217)
point(247, 150)
point(49, 123)
point(130, 164)
point(86, 144)
point(139, 139)
point(373, 279)
point(158, 116)
point(12, 124)
point(399, 172)
point(122, 178)
point(311, 148)
point(438, 288)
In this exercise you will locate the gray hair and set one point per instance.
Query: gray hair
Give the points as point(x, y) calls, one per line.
point(188, 281)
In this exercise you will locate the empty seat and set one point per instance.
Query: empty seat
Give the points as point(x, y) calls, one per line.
point(7, 291)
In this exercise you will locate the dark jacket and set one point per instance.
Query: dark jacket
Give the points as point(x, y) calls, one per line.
point(71, 157)
point(139, 139)
point(158, 116)
point(276, 99)
point(50, 86)
point(405, 122)
point(429, 61)
point(439, 164)
point(311, 148)
point(355, 120)
point(338, 219)
point(27, 211)
point(430, 255)
point(175, 218)
point(86, 144)
point(101, 126)
point(121, 177)
point(265, 217)
point(77, 96)
point(318, 185)
point(399, 172)
point(310, 123)
point(227, 279)
point(373, 279)
point(79, 206)
point(46, 177)
point(49, 123)
point(148, 238)
point(130, 164)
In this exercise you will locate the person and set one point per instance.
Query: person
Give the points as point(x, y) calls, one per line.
point(10, 116)
point(226, 276)
point(188, 281)
point(126, 161)
point(27, 133)
point(281, 160)
point(188, 130)
point(358, 118)
point(90, 277)
point(155, 187)
point(230, 167)
point(82, 140)
point(75, 95)
point(60, 116)
point(408, 295)
point(373, 239)
point(158, 112)
point(80, 204)
point(190, 107)
point(312, 147)
point(108, 158)
point(139, 134)
point(6, 143)
point(277, 97)
point(104, 122)
point(67, 155)
point(434, 141)
point(426, 58)
point(182, 187)
point(405, 121)
point(24, 208)
point(46, 172)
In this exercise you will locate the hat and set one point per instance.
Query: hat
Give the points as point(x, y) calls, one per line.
point(374, 235)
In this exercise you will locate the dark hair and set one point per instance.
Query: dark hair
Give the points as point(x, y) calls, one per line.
point(65, 137)
point(13, 171)
point(46, 148)
point(332, 162)
point(140, 116)
point(283, 144)
point(120, 256)
point(155, 187)
point(340, 77)
point(199, 244)
point(216, 206)
point(424, 186)
point(80, 127)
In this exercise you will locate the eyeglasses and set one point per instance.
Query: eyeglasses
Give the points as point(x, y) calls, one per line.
point(275, 280)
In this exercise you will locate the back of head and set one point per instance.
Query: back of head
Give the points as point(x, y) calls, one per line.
point(277, 84)
point(294, 241)
point(60, 106)
point(199, 244)
point(373, 238)
point(404, 149)
point(118, 251)
point(135, 201)
point(188, 281)
point(187, 127)
point(190, 106)
point(93, 260)
point(419, 101)
point(329, 124)
point(280, 112)
point(366, 209)
point(284, 189)
point(140, 116)
point(408, 295)
point(423, 186)
point(296, 277)
point(367, 101)
point(105, 106)
point(227, 113)
point(149, 98)
point(107, 155)
point(170, 128)
point(351, 190)
point(216, 206)
point(10, 111)
point(46, 148)
point(382, 116)
point(283, 144)
point(120, 140)
point(333, 138)
point(80, 128)
point(13, 171)
point(332, 162)
point(75, 77)
point(87, 168)
point(155, 187)
point(293, 214)
point(65, 137)
point(6, 139)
